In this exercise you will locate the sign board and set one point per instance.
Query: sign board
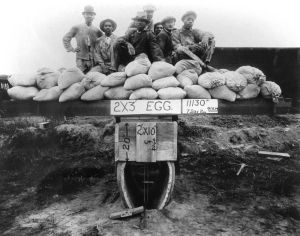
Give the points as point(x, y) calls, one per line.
point(195, 106)
point(145, 107)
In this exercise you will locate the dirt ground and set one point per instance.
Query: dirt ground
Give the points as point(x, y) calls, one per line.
point(61, 180)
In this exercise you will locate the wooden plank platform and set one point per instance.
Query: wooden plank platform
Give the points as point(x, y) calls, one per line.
point(8, 108)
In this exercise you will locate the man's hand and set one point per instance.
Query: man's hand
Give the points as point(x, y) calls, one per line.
point(181, 49)
point(77, 49)
point(131, 50)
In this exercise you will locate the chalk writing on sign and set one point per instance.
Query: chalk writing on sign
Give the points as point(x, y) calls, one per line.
point(195, 106)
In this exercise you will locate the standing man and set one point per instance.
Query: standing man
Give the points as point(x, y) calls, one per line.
point(199, 42)
point(164, 38)
point(104, 47)
point(136, 41)
point(85, 35)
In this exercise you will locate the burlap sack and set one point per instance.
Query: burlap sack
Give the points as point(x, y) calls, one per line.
point(72, 93)
point(114, 79)
point(22, 93)
point(211, 80)
point(47, 78)
point(95, 93)
point(270, 89)
point(223, 92)
point(166, 82)
point(117, 93)
point(140, 65)
point(92, 79)
point(70, 76)
point(160, 69)
point(138, 81)
point(24, 80)
point(191, 74)
point(235, 81)
point(144, 93)
point(171, 93)
point(252, 74)
point(196, 92)
point(251, 91)
point(188, 64)
point(51, 94)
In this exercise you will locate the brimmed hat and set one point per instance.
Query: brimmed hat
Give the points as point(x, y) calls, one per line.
point(189, 13)
point(149, 8)
point(140, 15)
point(168, 18)
point(102, 23)
point(89, 9)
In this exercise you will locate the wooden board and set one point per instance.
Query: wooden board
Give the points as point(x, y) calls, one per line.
point(146, 141)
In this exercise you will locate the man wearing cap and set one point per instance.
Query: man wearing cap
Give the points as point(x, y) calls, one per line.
point(164, 38)
point(136, 41)
point(158, 27)
point(104, 47)
point(199, 42)
point(149, 10)
point(85, 35)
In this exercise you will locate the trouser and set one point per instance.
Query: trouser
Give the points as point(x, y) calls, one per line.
point(202, 51)
point(120, 55)
point(84, 65)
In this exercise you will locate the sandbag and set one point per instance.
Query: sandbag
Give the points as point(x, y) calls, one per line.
point(188, 64)
point(196, 92)
point(211, 80)
point(171, 93)
point(22, 93)
point(114, 79)
point(235, 81)
point(51, 94)
point(223, 92)
point(70, 76)
point(92, 79)
point(270, 89)
point(161, 69)
point(95, 93)
point(140, 65)
point(47, 78)
point(24, 80)
point(166, 82)
point(138, 81)
point(222, 71)
point(72, 93)
point(144, 93)
point(117, 93)
point(191, 74)
point(252, 74)
point(251, 91)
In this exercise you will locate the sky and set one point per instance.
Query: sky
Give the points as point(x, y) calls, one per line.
point(32, 30)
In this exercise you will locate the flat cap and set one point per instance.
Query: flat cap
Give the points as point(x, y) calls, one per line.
point(167, 19)
point(189, 13)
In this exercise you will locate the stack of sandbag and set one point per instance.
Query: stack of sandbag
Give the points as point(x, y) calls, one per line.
point(187, 77)
point(164, 82)
point(70, 82)
point(23, 86)
point(51, 94)
point(140, 65)
point(47, 78)
point(92, 84)
point(115, 83)
point(270, 89)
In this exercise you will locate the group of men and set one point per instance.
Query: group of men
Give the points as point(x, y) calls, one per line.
point(101, 50)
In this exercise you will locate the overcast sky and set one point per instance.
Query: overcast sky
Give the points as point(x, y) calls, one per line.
point(32, 30)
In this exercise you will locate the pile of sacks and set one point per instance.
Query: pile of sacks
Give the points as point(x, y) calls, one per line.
point(143, 80)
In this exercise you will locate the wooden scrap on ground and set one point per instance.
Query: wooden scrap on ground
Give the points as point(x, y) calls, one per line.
point(127, 213)
point(273, 154)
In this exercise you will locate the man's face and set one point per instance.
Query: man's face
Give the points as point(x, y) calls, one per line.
point(157, 29)
point(140, 24)
point(169, 25)
point(149, 15)
point(188, 22)
point(108, 27)
point(88, 17)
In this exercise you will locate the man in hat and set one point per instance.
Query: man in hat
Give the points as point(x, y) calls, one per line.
point(164, 38)
point(137, 41)
point(199, 42)
point(85, 35)
point(158, 27)
point(104, 47)
point(149, 10)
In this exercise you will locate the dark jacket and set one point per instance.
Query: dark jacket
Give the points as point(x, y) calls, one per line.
point(164, 40)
